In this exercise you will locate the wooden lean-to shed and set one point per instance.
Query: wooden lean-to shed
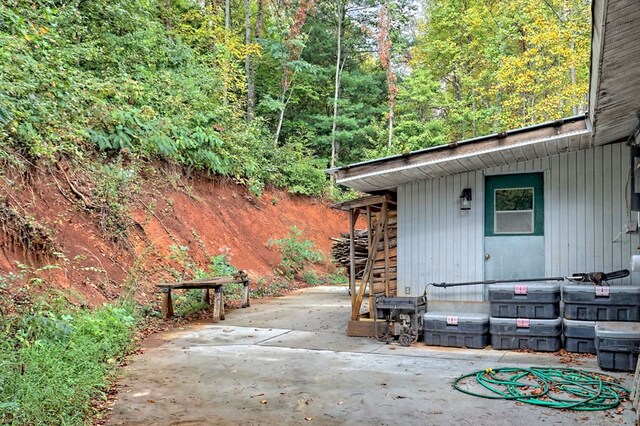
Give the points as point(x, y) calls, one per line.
point(547, 200)
point(374, 271)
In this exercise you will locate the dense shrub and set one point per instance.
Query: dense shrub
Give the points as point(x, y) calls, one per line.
point(52, 364)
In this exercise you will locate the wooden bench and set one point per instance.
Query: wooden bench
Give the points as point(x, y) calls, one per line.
point(206, 284)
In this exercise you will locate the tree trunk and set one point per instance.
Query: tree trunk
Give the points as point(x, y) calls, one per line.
point(259, 19)
point(336, 93)
point(225, 71)
point(391, 107)
point(251, 100)
point(279, 127)
point(167, 6)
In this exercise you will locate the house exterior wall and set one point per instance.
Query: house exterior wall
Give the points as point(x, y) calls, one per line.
point(585, 219)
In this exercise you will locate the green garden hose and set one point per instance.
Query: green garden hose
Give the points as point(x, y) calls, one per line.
point(567, 388)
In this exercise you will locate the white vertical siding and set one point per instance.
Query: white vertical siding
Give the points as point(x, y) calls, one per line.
point(585, 217)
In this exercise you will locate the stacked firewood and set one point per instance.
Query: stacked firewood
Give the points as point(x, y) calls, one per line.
point(341, 254)
point(340, 251)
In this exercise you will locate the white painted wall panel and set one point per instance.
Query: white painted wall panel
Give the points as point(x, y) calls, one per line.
point(585, 216)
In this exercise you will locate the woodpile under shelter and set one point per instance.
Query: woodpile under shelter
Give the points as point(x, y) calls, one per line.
point(370, 255)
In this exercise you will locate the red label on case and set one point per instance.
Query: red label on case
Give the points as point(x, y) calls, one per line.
point(520, 289)
point(602, 291)
point(522, 322)
point(452, 320)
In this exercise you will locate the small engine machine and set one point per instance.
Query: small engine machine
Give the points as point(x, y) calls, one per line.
point(402, 317)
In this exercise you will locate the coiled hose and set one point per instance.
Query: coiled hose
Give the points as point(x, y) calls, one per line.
point(566, 388)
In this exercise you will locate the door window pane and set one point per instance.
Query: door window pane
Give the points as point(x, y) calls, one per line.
point(514, 211)
point(514, 199)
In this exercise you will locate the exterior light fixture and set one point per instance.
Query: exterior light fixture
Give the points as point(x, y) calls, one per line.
point(465, 199)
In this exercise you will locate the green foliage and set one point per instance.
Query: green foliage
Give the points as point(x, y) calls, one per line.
point(220, 267)
point(338, 278)
point(480, 67)
point(52, 364)
point(296, 253)
point(112, 193)
point(164, 81)
point(273, 288)
point(311, 277)
point(188, 303)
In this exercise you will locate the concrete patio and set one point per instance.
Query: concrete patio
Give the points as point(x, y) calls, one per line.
point(289, 361)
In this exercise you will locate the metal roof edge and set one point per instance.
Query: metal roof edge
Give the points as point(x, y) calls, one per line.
point(412, 166)
point(555, 123)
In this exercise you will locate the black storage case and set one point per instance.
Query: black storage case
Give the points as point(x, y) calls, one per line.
point(579, 336)
point(519, 333)
point(618, 345)
point(534, 300)
point(463, 330)
point(587, 302)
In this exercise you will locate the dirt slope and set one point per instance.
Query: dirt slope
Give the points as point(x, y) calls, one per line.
point(207, 216)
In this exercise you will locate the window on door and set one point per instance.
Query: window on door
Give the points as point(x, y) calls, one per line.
point(514, 205)
point(513, 211)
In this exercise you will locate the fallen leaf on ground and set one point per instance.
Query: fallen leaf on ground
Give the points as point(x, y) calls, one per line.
point(264, 401)
point(308, 418)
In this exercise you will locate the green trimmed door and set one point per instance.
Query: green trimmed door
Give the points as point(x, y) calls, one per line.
point(514, 226)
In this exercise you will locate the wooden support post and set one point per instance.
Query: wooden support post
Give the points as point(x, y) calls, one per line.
point(368, 269)
point(353, 214)
point(167, 304)
point(369, 236)
point(385, 214)
point(245, 302)
point(218, 304)
point(370, 247)
point(205, 296)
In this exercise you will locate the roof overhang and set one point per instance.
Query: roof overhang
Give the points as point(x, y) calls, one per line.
point(614, 92)
point(530, 143)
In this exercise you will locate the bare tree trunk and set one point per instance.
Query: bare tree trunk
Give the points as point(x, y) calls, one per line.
point(391, 107)
point(167, 6)
point(259, 19)
point(225, 71)
point(251, 97)
point(284, 101)
point(336, 93)
point(279, 127)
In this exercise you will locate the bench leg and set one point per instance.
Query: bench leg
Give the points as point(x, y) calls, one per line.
point(245, 302)
point(221, 304)
point(218, 305)
point(167, 303)
point(205, 296)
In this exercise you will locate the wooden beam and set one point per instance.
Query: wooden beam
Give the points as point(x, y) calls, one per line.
point(386, 251)
point(218, 305)
point(205, 296)
point(368, 269)
point(352, 255)
point(167, 303)
point(245, 300)
point(365, 201)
